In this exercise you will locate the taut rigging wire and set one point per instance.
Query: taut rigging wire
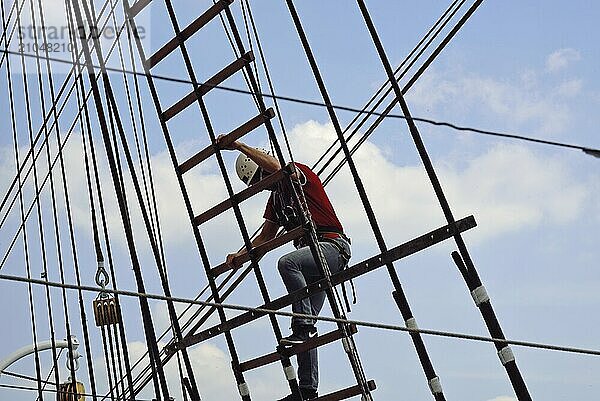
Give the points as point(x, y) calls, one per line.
point(375, 325)
point(585, 149)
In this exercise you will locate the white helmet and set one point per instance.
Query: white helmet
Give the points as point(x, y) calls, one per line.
point(247, 168)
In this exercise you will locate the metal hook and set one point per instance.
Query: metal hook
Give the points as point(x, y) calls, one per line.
point(102, 278)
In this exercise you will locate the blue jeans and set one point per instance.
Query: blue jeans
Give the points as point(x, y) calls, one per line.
point(298, 269)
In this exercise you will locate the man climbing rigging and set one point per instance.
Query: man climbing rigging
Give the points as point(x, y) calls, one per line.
point(298, 268)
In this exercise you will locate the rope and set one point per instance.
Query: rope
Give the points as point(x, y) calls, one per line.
point(54, 369)
point(437, 27)
point(113, 359)
point(120, 325)
point(269, 80)
point(150, 335)
point(25, 377)
point(107, 363)
point(52, 188)
point(5, 27)
point(235, 52)
point(363, 323)
point(53, 108)
point(588, 150)
point(21, 208)
point(249, 39)
point(425, 65)
point(83, 318)
point(338, 311)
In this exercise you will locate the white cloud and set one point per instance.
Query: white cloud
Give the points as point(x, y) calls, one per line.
point(513, 104)
point(503, 398)
point(570, 88)
point(204, 185)
point(212, 368)
point(507, 188)
point(214, 377)
point(560, 59)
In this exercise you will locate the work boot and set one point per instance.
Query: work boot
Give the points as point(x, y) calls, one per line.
point(299, 335)
point(307, 394)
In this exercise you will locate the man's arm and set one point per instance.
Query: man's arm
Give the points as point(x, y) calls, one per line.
point(267, 162)
point(268, 232)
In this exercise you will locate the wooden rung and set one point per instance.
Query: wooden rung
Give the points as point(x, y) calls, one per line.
point(229, 138)
point(187, 32)
point(346, 393)
point(206, 87)
point(401, 251)
point(261, 250)
point(137, 7)
point(241, 196)
point(289, 351)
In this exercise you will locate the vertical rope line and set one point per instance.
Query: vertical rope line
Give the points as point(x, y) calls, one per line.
point(52, 189)
point(164, 279)
point(115, 328)
point(102, 211)
point(97, 182)
point(84, 129)
point(111, 350)
point(106, 359)
point(183, 388)
point(52, 370)
point(247, 29)
point(145, 141)
point(5, 25)
point(133, 123)
point(39, 211)
point(235, 50)
point(151, 336)
point(198, 237)
point(22, 210)
point(269, 80)
point(59, 252)
point(103, 216)
point(73, 245)
point(139, 103)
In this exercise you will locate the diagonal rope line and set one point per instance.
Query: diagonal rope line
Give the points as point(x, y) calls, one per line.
point(415, 54)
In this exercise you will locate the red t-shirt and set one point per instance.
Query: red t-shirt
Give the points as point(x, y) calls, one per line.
point(317, 200)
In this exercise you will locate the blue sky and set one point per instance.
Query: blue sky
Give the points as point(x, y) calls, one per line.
point(526, 68)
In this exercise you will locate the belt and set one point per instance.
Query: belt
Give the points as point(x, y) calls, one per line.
point(332, 235)
point(329, 235)
point(326, 236)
